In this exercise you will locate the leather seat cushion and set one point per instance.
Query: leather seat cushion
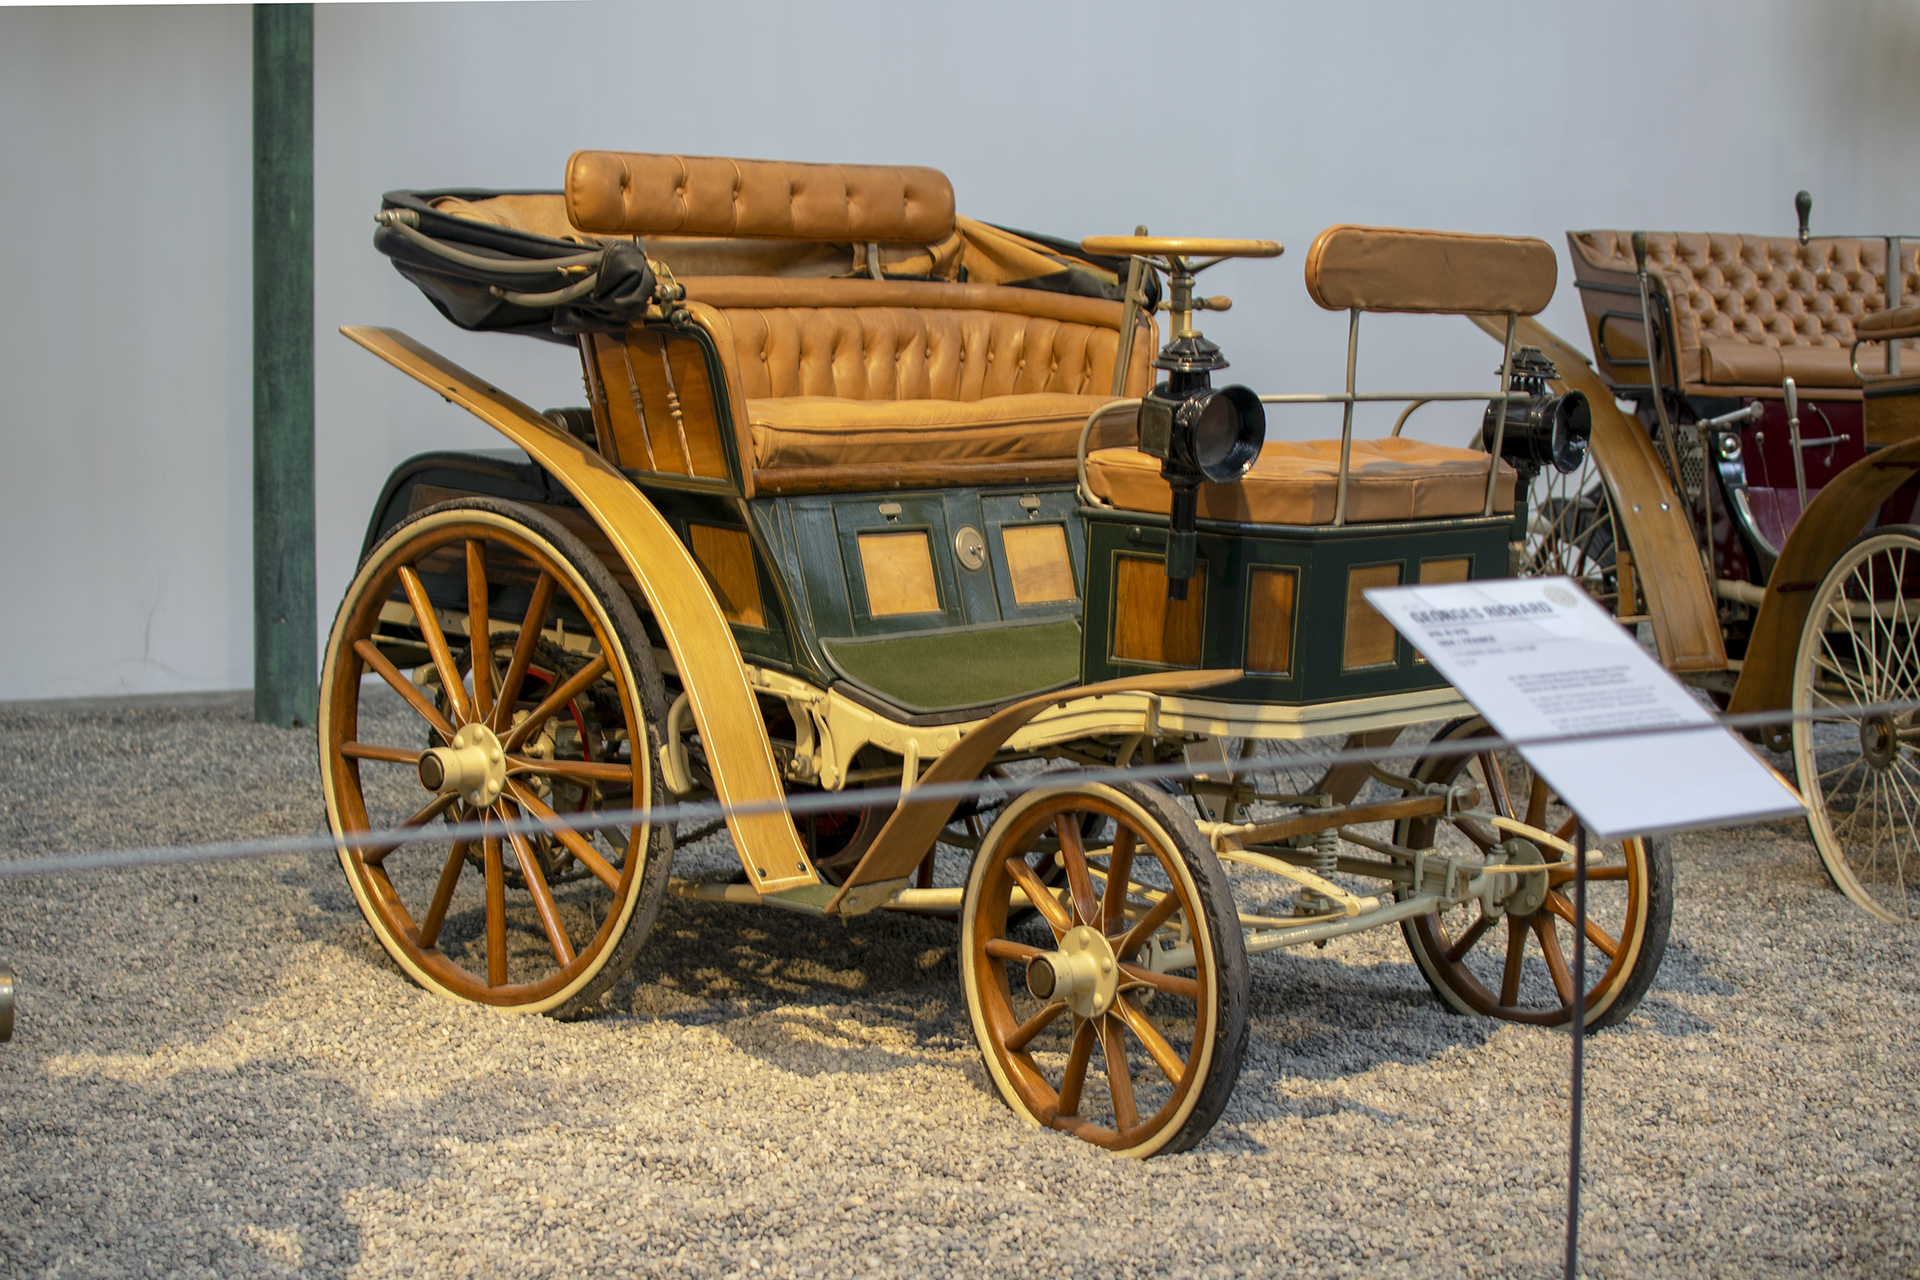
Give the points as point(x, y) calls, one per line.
point(1294, 482)
point(1729, 362)
point(835, 431)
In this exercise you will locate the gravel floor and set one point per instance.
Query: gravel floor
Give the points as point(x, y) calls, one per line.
point(216, 1070)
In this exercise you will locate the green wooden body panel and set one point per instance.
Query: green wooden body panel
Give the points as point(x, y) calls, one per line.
point(1322, 557)
point(812, 544)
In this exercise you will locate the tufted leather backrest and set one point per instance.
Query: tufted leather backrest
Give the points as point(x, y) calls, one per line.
point(628, 193)
point(1764, 291)
point(907, 340)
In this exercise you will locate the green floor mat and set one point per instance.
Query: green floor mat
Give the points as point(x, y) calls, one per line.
point(961, 667)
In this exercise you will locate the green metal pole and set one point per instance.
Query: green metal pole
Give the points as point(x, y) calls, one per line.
point(285, 641)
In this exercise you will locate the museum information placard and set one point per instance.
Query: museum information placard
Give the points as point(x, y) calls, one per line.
point(1541, 660)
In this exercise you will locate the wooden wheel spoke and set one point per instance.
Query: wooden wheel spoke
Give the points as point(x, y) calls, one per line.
point(1078, 1056)
point(1164, 1055)
point(479, 629)
point(406, 688)
point(436, 916)
point(551, 706)
point(1145, 927)
point(1516, 959)
point(574, 770)
point(1556, 962)
point(543, 903)
point(1024, 1033)
point(374, 855)
point(1113, 900)
point(1496, 780)
point(1465, 942)
point(577, 844)
point(496, 912)
point(1608, 944)
point(429, 624)
point(1113, 1047)
point(1040, 896)
point(1008, 949)
point(1537, 797)
point(369, 751)
point(523, 651)
point(1073, 854)
point(1132, 975)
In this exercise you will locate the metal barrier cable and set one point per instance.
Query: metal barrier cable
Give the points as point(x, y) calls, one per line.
point(1576, 1090)
point(851, 799)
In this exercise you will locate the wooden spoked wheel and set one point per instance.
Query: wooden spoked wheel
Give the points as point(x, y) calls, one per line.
point(529, 921)
point(1118, 1014)
point(1510, 958)
point(1858, 773)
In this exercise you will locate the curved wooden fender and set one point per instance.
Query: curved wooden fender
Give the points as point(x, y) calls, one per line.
point(1685, 619)
point(697, 635)
point(913, 828)
point(1835, 517)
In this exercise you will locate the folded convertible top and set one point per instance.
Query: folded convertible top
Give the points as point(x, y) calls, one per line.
point(489, 275)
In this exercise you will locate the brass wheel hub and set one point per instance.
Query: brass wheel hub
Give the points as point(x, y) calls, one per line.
point(473, 768)
point(1879, 740)
point(1082, 974)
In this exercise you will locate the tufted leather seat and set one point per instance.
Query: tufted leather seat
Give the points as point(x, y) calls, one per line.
point(1294, 482)
point(1748, 311)
point(879, 373)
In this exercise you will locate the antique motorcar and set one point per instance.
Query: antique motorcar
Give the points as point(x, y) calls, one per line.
point(904, 544)
point(1755, 508)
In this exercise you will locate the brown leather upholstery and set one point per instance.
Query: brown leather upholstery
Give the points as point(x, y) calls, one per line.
point(627, 193)
point(859, 373)
point(1295, 482)
point(830, 431)
point(1901, 322)
point(1393, 269)
point(1747, 310)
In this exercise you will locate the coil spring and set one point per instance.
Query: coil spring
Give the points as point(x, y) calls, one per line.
point(1326, 849)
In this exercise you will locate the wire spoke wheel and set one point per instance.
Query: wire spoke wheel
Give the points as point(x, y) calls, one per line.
point(1857, 769)
point(1510, 955)
point(1571, 530)
point(1118, 1012)
point(537, 700)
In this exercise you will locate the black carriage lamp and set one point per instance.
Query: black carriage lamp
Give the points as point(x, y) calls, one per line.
point(1197, 430)
point(1544, 430)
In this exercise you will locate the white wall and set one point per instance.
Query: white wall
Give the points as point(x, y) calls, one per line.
point(124, 152)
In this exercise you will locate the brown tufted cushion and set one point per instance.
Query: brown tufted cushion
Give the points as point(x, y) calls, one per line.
point(629, 193)
point(903, 353)
point(1295, 482)
point(1750, 310)
point(901, 373)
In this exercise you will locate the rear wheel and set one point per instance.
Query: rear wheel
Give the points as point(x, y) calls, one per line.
point(1857, 770)
point(1146, 914)
point(562, 716)
point(1511, 958)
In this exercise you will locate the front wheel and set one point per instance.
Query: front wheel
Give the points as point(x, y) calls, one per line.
point(1509, 959)
point(1138, 954)
point(563, 716)
point(1857, 769)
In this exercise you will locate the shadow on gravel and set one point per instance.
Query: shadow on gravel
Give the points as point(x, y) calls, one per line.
point(201, 1168)
point(879, 991)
